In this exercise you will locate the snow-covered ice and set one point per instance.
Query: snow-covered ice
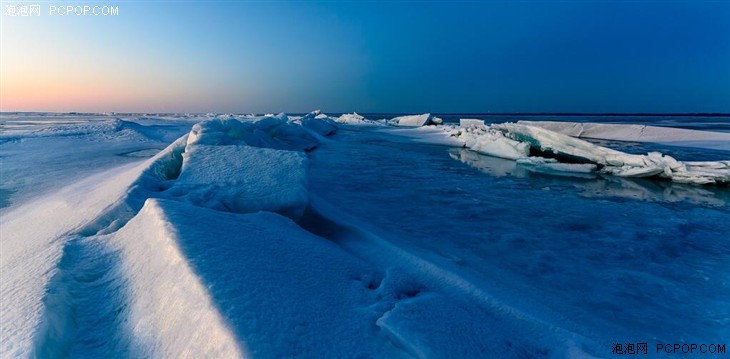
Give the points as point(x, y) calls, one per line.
point(412, 120)
point(638, 133)
point(489, 141)
point(288, 236)
point(471, 122)
point(355, 119)
point(532, 144)
point(319, 123)
point(243, 179)
point(592, 254)
point(612, 161)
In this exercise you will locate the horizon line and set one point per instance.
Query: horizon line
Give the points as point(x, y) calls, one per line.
point(112, 113)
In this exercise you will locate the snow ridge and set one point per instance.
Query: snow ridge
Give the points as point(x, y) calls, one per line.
point(53, 324)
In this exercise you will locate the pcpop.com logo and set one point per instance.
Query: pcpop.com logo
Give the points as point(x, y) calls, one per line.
point(14, 10)
point(85, 10)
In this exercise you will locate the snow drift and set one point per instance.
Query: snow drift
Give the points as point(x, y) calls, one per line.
point(243, 179)
point(220, 164)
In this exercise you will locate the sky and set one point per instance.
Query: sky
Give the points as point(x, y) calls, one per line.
point(369, 56)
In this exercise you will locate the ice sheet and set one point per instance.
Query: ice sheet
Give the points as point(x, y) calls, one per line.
point(120, 264)
point(638, 133)
point(605, 257)
point(412, 120)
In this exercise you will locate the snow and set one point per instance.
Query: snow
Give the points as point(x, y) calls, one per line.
point(33, 239)
point(355, 119)
point(44, 153)
point(412, 120)
point(478, 337)
point(594, 256)
point(146, 301)
point(181, 239)
point(258, 236)
point(258, 277)
point(520, 142)
point(103, 203)
point(638, 133)
point(490, 142)
point(470, 122)
point(270, 132)
point(319, 123)
point(612, 161)
point(243, 179)
point(404, 121)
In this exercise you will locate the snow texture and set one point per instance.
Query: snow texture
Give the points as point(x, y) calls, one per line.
point(355, 119)
point(276, 132)
point(319, 123)
point(490, 142)
point(243, 179)
point(216, 247)
point(471, 122)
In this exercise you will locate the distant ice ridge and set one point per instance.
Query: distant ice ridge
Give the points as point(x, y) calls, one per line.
point(356, 119)
point(518, 141)
point(638, 133)
point(565, 152)
point(102, 130)
point(403, 121)
point(277, 132)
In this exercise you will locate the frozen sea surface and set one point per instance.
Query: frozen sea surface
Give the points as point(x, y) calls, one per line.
point(718, 123)
point(618, 260)
point(130, 235)
point(41, 152)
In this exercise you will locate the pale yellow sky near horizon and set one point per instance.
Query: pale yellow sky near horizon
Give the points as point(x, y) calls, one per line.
point(93, 65)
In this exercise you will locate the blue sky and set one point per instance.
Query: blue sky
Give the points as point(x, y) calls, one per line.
point(371, 56)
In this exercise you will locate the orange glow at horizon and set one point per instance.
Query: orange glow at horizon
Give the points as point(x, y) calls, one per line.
point(118, 90)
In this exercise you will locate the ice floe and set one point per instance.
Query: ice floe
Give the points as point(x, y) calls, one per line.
point(638, 133)
point(519, 141)
point(412, 120)
point(319, 123)
point(488, 141)
point(471, 122)
point(355, 119)
point(403, 121)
